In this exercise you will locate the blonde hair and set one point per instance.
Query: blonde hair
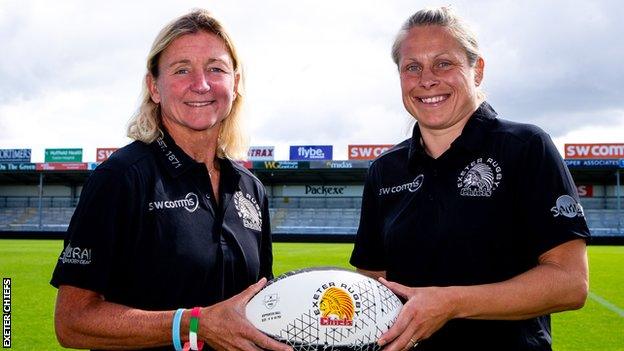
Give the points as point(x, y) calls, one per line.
point(145, 125)
point(444, 17)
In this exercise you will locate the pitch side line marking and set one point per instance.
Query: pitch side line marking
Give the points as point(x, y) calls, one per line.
point(607, 304)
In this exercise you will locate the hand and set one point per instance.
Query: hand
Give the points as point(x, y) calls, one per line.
point(426, 311)
point(224, 325)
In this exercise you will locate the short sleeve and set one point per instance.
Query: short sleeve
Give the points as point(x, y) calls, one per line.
point(553, 214)
point(369, 244)
point(93, 233)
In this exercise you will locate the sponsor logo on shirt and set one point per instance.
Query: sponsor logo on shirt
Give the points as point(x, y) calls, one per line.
point(75, 255)
point(412, 186)
point(190, 203)
point(479, 178)
point(568, 207)
point(248, 210)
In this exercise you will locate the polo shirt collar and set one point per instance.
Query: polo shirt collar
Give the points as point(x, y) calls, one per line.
point(471, 137)
point(475, 130)
point(171, 155)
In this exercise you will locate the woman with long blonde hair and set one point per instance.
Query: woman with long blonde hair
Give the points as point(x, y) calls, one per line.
point(171, 237)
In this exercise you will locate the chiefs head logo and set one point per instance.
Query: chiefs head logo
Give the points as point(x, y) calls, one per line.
point(336, 308)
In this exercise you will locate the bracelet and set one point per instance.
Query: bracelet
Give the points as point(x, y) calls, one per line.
point(175, 329)
point(193, 328)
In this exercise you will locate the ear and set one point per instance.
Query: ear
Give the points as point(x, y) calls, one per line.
point(237, 77)
point(479, 68)
point(153, 89)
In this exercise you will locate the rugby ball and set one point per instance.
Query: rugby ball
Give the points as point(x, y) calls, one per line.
point(324, 309)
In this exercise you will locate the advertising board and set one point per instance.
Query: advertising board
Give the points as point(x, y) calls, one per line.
point(63, 155)
point(311, 152)
point(594, 151)
point(15, 155)
point(261, 153)
point(366, 152)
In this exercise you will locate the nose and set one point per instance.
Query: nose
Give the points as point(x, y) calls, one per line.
point(428, 79)
point(200, 84)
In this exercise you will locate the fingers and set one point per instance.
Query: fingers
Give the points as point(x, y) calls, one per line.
point(266, 343)
point(405, 341)
point(396, 288)
point(397, 329)
point(252, 290)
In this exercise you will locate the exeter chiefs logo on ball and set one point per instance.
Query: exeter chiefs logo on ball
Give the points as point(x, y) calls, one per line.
point(248, 210)
point(479, 178)
point(337, 305)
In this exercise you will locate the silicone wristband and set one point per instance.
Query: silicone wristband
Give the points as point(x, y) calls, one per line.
point(175, 329)
point(193, 328)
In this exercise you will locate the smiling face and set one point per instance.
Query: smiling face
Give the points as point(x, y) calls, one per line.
point(439, 87)
point(196, 83)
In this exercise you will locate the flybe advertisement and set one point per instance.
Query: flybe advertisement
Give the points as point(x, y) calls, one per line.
point(311, 152)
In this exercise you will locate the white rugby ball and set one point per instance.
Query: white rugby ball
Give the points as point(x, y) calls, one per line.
point(324, 309)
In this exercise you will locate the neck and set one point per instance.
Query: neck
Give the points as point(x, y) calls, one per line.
point(438, 141)
point(201, 146)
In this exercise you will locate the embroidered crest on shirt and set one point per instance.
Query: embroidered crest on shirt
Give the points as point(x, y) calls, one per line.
point(248, 210)
point(479, 178)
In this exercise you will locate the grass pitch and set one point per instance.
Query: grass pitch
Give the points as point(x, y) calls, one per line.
point(598, 326)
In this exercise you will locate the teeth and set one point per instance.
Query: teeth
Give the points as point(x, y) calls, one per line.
point(433, 99)
point(198, 104)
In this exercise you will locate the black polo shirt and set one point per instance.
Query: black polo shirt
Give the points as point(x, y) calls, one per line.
point(148, 233)
point(482, 212)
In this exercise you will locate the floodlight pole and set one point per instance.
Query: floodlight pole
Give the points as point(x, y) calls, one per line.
point(40, 201)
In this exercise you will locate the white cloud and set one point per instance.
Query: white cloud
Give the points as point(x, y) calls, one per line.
point(318, 72)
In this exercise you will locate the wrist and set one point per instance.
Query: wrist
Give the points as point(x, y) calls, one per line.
point(454, 299)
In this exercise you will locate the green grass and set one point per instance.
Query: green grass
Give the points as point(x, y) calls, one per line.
point(30, 263)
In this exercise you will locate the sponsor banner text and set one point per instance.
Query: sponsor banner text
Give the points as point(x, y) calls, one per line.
point(594, 151)
point(339, 164)
point(11, 167)
point(366, 152)
point(311, 152)
point(63, 155)
point(15, 155)
point(261, 153)
point(103, 153)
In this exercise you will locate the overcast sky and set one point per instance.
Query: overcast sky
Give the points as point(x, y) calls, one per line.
point(318, 72)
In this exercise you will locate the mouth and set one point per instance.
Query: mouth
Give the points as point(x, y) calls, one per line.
point(433, 100)
point(198, 103)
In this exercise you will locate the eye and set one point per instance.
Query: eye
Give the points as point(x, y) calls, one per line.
point(413, 68)
point(181, 71)
point(443, 65)
point(216, 70)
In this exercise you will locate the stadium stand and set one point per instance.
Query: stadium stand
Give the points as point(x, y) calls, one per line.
point(308, 213)
point(295, 216)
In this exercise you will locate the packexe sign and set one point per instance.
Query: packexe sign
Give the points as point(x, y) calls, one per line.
point(324, 190)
